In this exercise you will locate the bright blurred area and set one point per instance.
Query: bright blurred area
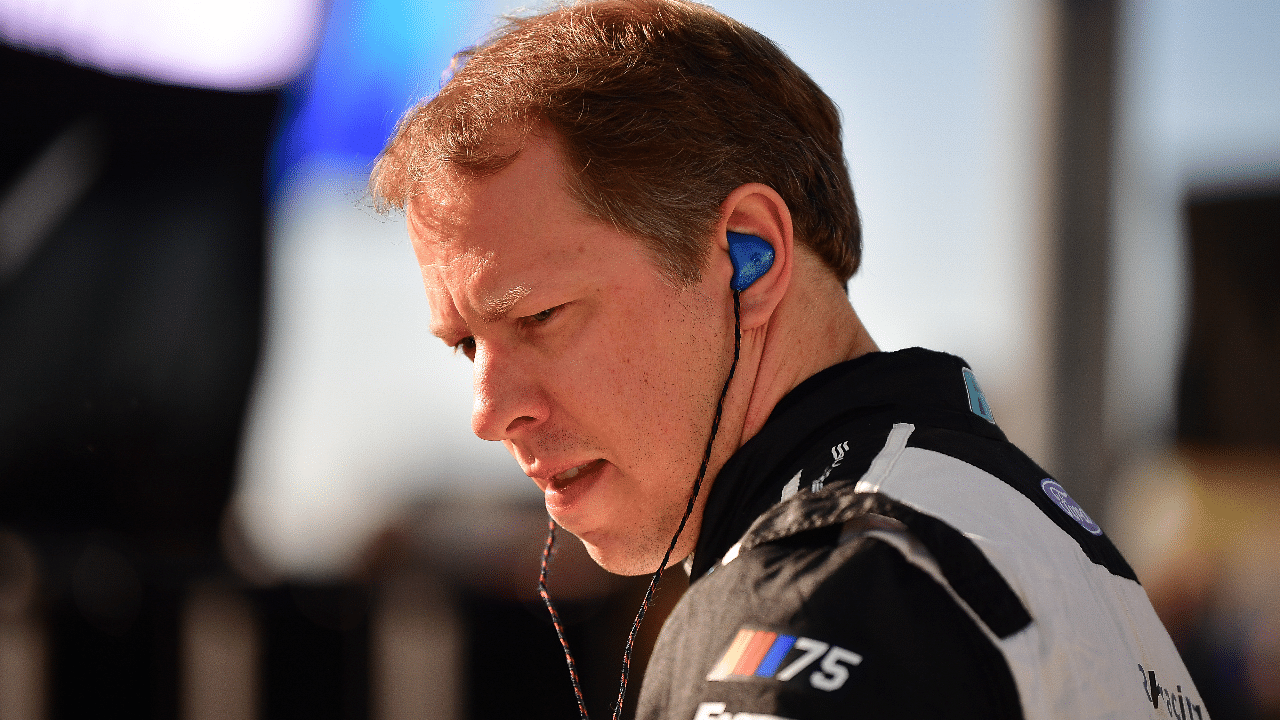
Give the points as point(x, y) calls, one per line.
point(237, 478)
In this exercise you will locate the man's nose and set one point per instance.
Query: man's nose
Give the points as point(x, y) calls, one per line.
point(508, 399)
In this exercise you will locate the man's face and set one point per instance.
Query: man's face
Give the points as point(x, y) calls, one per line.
point(598, 374)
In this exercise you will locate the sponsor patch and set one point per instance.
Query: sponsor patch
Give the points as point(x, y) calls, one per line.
point(1060, 498)
point(765, 654)
point(977, 401)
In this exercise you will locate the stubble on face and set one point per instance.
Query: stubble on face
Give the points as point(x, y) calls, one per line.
point(639, 545)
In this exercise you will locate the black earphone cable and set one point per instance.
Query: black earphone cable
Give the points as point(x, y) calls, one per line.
point(555, 618)
point(657, 575)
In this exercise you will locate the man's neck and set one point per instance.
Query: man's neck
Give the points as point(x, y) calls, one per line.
point(813, 328)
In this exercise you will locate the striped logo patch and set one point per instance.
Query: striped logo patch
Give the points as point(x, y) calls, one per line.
point(766, 654)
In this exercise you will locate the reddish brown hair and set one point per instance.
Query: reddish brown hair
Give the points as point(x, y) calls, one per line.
point(660, 108)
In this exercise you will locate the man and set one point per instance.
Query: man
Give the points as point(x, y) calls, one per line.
point(865, 542)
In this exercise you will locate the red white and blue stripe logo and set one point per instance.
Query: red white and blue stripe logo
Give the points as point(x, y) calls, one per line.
point(766, 654)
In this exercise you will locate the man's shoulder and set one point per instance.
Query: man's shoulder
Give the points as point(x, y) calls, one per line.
point(951, 575)
point(938, 480)
point(863, 590)
point(821, 609)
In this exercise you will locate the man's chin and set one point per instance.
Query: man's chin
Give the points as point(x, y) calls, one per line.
point(624, 560)
point(609, 560)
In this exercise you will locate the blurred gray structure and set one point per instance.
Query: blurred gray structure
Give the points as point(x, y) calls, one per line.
point(1083, 120)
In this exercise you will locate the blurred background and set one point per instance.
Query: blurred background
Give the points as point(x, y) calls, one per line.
point(236, 473)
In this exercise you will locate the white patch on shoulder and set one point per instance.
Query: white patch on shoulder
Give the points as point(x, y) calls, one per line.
point(884, 460)
point(792, 487)
point(732, 554)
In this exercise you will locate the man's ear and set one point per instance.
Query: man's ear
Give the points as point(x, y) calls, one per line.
point(756, 209)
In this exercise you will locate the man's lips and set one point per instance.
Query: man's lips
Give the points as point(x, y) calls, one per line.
point(546, 481)
point(563, 490)
point(572, 472)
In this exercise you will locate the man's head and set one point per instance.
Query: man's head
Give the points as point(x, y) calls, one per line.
point(660, 108)
point(569, 193)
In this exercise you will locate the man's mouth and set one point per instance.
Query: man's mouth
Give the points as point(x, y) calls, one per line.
point(572, 472)
point(566, 489)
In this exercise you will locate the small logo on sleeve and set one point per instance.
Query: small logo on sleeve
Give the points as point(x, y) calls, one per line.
point(765, 654)
point(1060, 498)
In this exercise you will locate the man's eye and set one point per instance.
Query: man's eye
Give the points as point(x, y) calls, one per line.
point(544, 315)
point(466, 346)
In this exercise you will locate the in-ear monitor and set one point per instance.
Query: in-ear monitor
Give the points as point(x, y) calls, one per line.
point(751, 258)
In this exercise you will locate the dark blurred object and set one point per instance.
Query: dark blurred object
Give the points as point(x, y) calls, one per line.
point(459, 575)
point(315, 652)
point(1217, 584)
point(131, 273)
point(129, 332)
point(1231, 372)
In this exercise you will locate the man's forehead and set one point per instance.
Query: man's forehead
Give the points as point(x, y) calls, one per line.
point(484, 244)
point(456, 218)
point(464, 288)
point(436, 211)
point(443, 188)
point(457, 271)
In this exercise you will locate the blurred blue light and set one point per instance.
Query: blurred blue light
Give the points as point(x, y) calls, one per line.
point(376, 59)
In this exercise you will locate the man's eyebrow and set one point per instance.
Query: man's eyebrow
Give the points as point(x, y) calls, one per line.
point(497, 306)
point(492, 310)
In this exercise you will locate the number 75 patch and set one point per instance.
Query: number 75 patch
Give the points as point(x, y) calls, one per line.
point(764, 654)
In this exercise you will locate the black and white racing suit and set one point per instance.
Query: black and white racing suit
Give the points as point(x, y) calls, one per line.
point(880, 550)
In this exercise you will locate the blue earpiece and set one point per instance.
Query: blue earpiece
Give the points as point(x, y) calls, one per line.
point(751, 258)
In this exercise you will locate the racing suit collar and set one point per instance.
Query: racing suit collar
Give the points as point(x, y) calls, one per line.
point(828, 428)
